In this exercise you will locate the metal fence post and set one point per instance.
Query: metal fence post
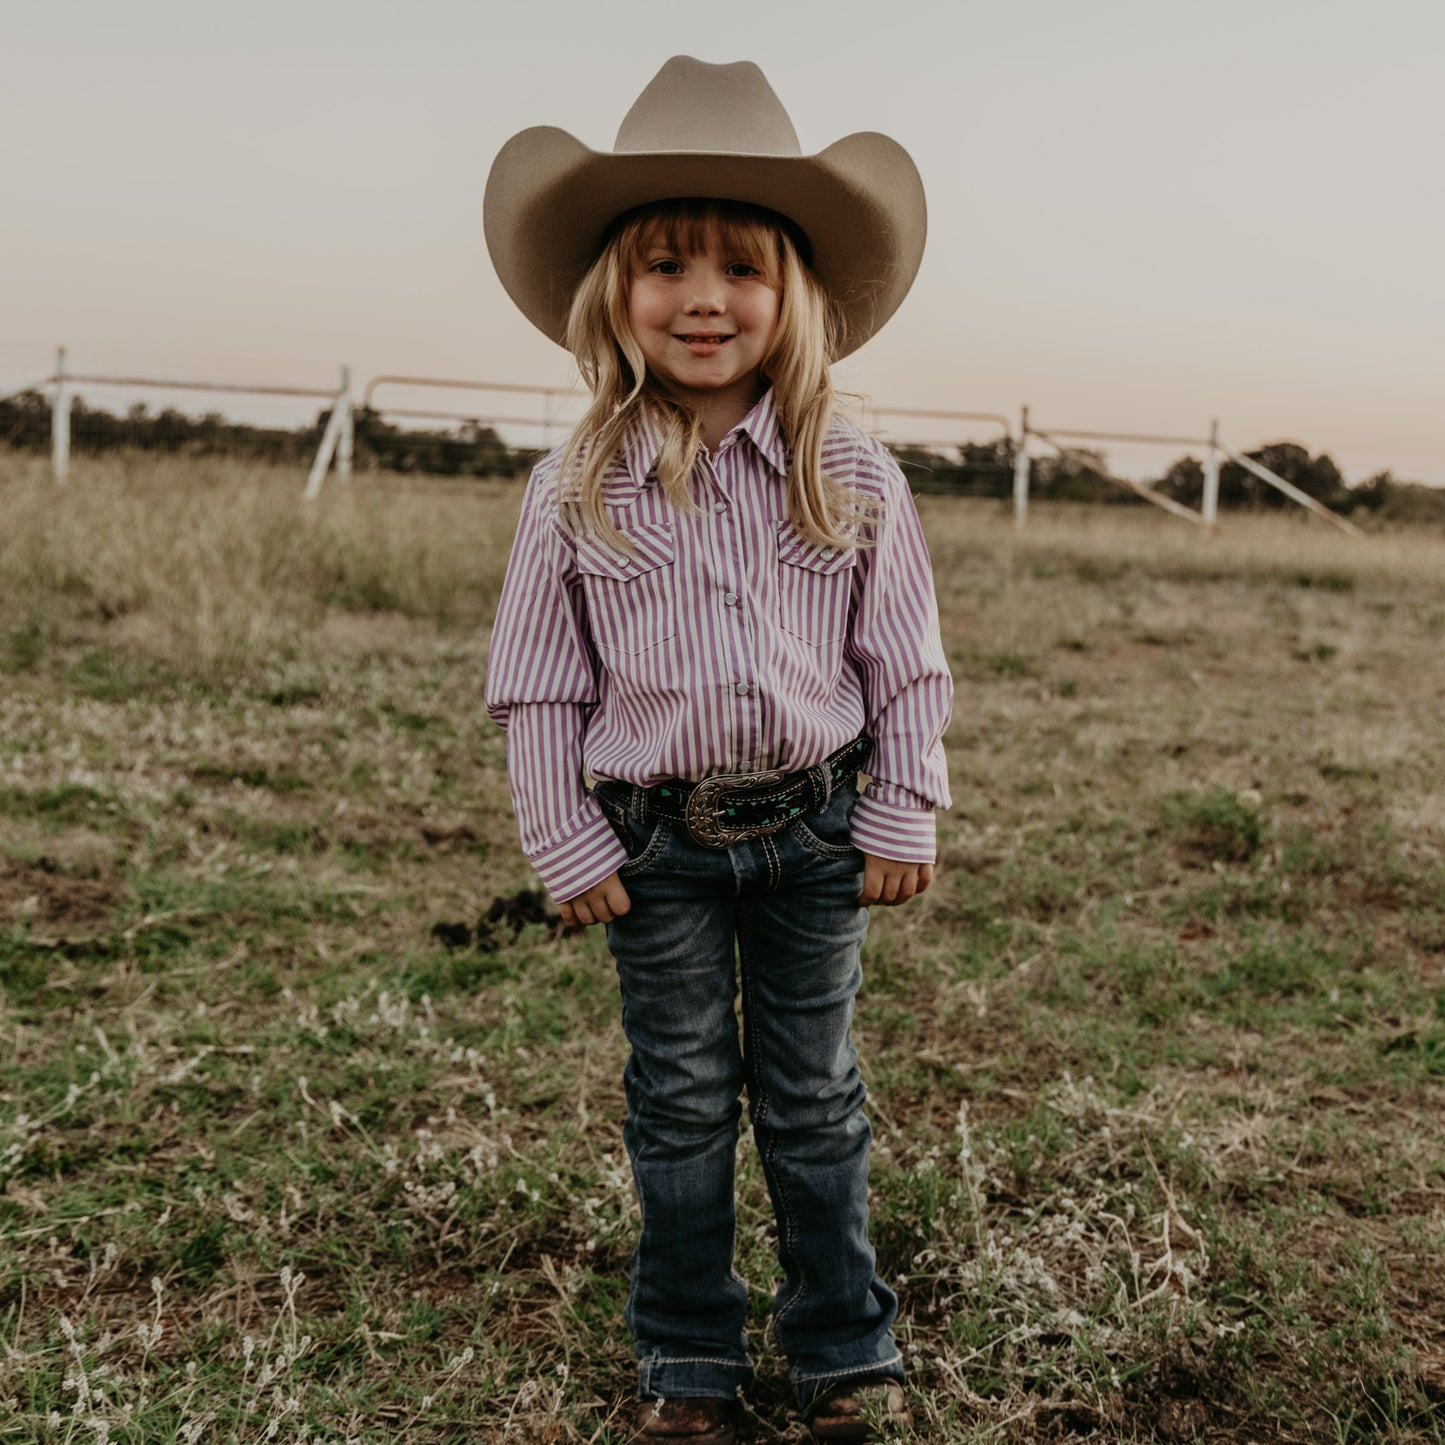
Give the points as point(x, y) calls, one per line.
point(1021, 472)
point(1210, 507)
point(346, 440)
point(330, 438)
point(60, 422)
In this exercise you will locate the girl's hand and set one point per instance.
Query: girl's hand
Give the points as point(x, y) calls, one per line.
point(601, 903)
point(888, 882)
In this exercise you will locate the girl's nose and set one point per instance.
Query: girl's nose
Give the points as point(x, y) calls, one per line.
point(705, 296)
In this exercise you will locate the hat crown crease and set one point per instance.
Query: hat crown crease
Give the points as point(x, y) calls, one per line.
point(695, 107)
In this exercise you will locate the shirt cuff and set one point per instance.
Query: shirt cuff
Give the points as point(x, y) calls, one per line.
point(901, 834)
point(590, 852)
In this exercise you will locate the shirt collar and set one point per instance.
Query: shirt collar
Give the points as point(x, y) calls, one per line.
point(766, 431)
point(643, 442)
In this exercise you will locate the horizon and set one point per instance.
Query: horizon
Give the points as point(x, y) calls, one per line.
point(1137, 222)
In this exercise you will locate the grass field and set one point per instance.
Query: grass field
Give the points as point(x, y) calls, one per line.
point(297, 1144)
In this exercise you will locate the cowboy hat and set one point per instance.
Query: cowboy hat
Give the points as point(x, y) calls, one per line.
point(708, 131)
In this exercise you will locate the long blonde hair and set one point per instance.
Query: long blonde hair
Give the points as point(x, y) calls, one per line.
point(612, 365)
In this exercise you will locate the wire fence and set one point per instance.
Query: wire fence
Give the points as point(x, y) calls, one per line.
point(89, 401)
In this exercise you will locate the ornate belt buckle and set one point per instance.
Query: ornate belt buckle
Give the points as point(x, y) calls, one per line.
point(702, 815)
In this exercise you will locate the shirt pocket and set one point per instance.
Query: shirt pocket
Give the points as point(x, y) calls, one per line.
point(631, 595)
point(815, 584)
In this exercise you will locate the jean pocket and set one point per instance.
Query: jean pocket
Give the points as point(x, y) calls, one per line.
point(823, 847)
point(643, 841)
point(829, 833)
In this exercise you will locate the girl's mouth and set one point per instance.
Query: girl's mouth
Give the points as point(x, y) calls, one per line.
point(702, 341)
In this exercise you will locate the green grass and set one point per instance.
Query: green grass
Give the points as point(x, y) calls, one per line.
point(1155, 1069)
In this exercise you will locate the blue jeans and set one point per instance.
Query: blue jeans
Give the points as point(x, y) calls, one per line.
point(788, 906)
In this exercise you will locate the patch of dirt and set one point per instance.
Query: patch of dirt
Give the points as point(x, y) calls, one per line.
point(448, 837)
point(501, 923)
point(45, 895)
point(1186, 1396)
point(382, 832)
point(369, 832)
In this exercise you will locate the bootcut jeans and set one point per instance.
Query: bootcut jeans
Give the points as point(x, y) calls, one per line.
point(779, 918)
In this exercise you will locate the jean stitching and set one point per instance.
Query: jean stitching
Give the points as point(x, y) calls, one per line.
point(619, 814)
point(770, 1167)
point(648, 856)
point(787, 1222)
point(757, 1095)
point(851, 1373)
point(775, 871)
point(810, 840)
point(636, 1271)
point(654, 1361)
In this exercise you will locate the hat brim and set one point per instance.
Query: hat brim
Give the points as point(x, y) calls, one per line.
point(550, 199)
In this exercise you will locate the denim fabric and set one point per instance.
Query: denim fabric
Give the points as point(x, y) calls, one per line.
point(779, 919)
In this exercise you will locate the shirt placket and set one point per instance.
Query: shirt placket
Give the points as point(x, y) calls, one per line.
point(730, 552)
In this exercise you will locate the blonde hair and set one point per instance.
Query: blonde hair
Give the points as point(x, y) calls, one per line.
point(612, 365)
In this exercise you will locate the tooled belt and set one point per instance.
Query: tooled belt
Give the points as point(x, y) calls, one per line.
point(733, 807)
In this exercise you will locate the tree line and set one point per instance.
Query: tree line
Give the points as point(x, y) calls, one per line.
point(469, 451)
point(1082, 475)
point(983, 469)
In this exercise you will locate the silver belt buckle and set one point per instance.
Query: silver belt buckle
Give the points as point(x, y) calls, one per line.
point(701, 815)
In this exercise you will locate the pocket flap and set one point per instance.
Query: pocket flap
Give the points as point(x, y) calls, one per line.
point(797, 551)
point(653, 547)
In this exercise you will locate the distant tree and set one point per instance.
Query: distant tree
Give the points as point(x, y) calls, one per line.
point(977, 469)
point(1184, 482)
point(1317, 476)
point(1409, 503)
point(1080, 475)
point(472, 450)
point(1373, 494)
point(25, 421)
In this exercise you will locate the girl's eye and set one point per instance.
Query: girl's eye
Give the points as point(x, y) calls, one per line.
point(741, 268)
point(667, 268)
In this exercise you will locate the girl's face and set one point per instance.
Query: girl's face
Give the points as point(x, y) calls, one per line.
point(705, 320)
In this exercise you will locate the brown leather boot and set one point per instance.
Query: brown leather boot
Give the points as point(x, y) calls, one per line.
point(701, 1421)
point(848, 1410)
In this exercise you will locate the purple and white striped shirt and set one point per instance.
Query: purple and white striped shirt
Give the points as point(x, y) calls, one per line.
point(724, 643)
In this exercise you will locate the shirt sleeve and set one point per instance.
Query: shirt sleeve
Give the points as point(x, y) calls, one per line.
point(897, 649)
point(542, 688)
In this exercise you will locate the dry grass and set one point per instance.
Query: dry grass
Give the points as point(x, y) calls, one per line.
point(1156, 1069)
point(210, 566)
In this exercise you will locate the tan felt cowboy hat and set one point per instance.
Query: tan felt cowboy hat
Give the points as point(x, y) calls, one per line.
point(702, 130)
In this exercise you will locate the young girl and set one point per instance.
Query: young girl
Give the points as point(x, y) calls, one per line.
point(719, 607)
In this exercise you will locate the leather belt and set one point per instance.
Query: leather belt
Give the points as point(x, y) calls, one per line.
point(735, 807)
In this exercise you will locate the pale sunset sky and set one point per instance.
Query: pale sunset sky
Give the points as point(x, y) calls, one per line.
point(1143, 213)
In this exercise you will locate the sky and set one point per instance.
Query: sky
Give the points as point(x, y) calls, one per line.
point(1143, 214)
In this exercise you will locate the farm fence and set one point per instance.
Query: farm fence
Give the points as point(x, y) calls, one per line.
point(555, 409)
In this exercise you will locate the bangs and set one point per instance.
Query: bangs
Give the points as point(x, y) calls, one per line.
point(687, 227)
point(613, 365)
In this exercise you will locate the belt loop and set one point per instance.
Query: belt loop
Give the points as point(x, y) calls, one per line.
point(637, 805)
point(820, 779)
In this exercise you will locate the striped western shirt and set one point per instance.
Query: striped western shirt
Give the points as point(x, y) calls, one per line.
point(723, 642)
